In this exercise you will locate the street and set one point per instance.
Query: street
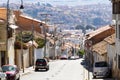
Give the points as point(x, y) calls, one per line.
point(61, 70)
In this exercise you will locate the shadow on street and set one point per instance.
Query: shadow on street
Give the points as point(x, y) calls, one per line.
point(85, 64)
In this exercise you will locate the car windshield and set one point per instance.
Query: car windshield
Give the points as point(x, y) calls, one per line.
point(101, 64)
point(8, 68)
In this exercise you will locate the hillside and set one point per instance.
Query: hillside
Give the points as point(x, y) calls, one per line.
point(96, 14)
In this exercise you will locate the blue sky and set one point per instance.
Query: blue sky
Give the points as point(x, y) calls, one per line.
point(60, 2)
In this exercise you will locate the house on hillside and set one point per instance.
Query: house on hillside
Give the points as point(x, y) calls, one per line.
point(104, 50)
point(95, 46)
point(14, 54)
point(37, 28)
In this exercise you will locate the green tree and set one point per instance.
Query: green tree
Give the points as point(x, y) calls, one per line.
point(81, 52)
point(40, 42)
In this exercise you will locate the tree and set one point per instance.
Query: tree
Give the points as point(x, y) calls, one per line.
point(98, 21)
point(81, 52)
point(26, 36)
point(40, 42)
point(80, 27)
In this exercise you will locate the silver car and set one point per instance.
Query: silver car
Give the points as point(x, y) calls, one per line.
point(101, 68)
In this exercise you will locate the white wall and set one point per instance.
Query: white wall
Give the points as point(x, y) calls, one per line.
point(111, 53)
point(25, 58)
point(98, 57)
point(19, 60)
point(58, 50)
point(39, 53)
point(51, 52)
point(11, 51)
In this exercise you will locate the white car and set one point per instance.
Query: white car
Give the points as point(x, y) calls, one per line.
point(72, 57)
point(101, 68)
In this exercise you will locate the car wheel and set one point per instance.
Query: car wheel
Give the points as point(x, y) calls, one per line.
point(36, 69)
point(94, 77)
point(18, 78)
point(46, 69)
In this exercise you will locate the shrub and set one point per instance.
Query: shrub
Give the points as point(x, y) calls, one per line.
point(40, 42)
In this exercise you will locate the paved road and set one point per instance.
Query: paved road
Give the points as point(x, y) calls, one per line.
point(59, 70)
point(62, 70)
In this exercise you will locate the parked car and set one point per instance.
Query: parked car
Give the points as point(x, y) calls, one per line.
point(2, 75)
point(41, 64)
point(12, 72)
point(72, 58)
point(101, 68)
point(63, 57)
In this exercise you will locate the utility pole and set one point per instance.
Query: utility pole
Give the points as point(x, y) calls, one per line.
point(32, 43)
point(44, 28)
point(22, 51)
point(54, 34)
point(8, 16)
point(7, 27)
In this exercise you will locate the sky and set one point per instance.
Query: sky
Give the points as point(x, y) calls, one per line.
point(60, 2)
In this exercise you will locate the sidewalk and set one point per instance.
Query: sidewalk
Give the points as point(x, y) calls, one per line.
point(87, 74)
point(26, 71)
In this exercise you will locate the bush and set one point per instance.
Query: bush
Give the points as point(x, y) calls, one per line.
point(81, 52)
point(40, 42)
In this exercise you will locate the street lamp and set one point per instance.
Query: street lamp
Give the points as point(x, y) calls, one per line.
point(8, 29)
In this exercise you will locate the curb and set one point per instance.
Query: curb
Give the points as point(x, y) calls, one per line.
point(26, 71)
point(23, 74)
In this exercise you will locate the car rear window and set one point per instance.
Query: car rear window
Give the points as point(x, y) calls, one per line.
point(101, 64)
point(40, 60)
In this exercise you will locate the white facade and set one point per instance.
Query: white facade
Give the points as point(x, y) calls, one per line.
point(98, 57)
point(25, 58)
point(111, 54)
point(39, 53)
point(11, 52)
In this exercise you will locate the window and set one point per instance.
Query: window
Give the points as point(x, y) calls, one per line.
point(101, 64)
point(116, 8)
